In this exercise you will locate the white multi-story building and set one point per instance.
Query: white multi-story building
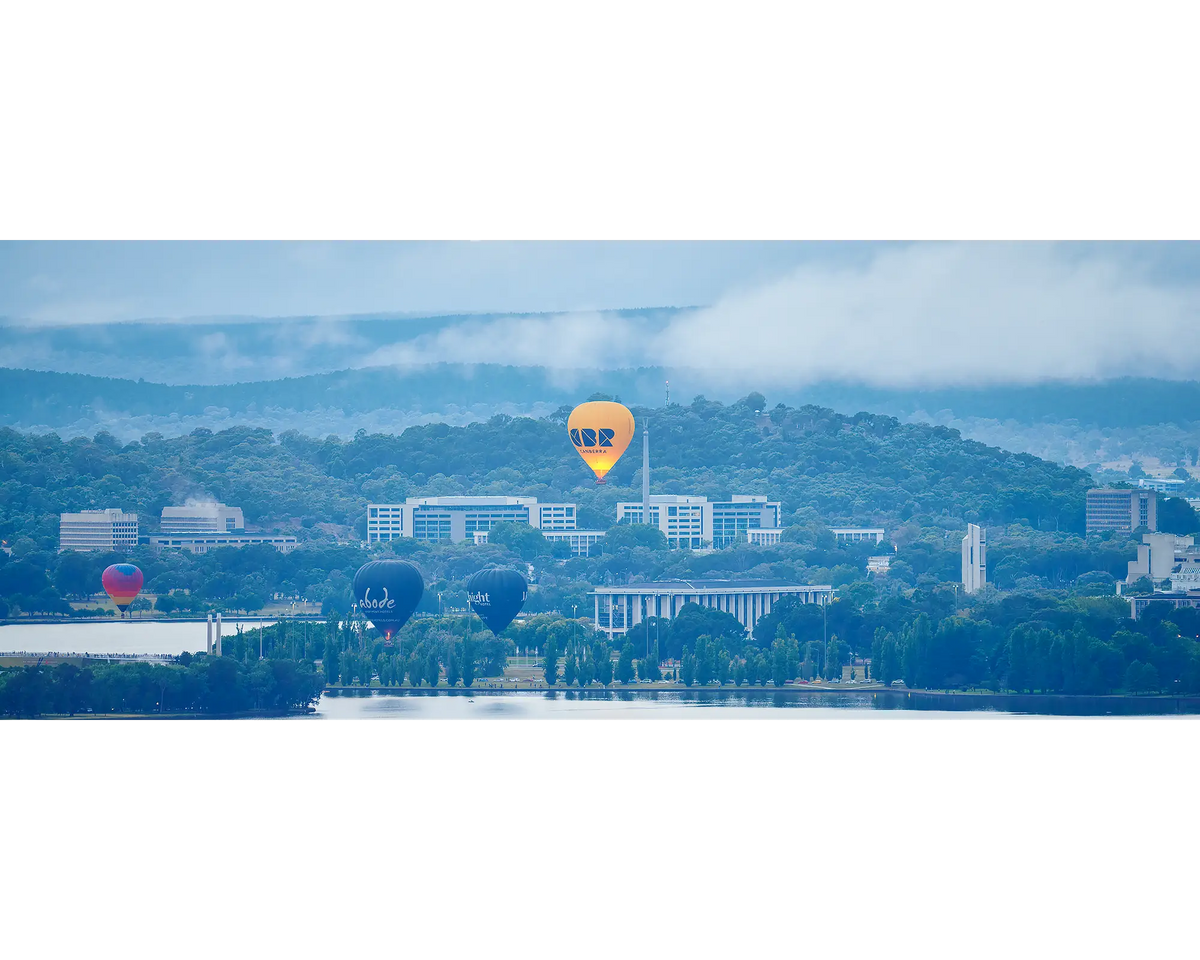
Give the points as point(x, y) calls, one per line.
point(458, 518)
point(197, 518)
point(581, 542)
point(857, 534)
point(1160, 484)
point(694, 522)
point(764, 537)
point(879, 565)
point(111, 529)
point(202, 543)
point(974, 558)
point(619, 608)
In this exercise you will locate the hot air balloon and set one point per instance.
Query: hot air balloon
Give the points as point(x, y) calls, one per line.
point(122, 582)
point(388, 592)
point(600, 431)
point(497, 596)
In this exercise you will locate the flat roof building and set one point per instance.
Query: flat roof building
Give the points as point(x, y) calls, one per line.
point(581, 542)
point(1160, 484)
point(202, 543)
point(111, 529)
point(694, 522)
point(857, 534)
point(619, 608)
point(201, 518)
point(459, 518)
point(1122, 511)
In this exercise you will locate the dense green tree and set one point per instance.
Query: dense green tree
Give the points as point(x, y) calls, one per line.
point(625, 673)
point(687, 668)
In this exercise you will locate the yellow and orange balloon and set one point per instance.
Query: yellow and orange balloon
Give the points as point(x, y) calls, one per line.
point(600, 430)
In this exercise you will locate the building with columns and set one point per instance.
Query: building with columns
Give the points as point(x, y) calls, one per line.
point(619, 608)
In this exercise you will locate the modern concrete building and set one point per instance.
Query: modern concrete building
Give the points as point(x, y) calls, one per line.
point(458, 518)
point(857, 534)
point(693, 522)
point(764, 537)
point(111, 529)
point(581, 542)
point(879, 565)
point(974, 558)
point(196, 518)
point(619, 608)
point(1138, 605)
point(1122, 511)
point(1157, 556)
point(201, 543)
point(1160, 484)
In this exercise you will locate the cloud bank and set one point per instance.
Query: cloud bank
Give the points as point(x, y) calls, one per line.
point(922, 315)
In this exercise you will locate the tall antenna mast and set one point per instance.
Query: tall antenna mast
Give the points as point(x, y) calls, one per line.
point(645, 471)
point(668, 393)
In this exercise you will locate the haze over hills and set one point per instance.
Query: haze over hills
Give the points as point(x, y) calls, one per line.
point(1085, 424)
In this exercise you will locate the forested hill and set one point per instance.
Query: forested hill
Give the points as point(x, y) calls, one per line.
point(42, 399)
point(822, 465)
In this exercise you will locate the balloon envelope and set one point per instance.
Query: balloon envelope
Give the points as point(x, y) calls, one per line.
point(600, 430)
point(497, 596)
point(388, 592)
point(122, 582)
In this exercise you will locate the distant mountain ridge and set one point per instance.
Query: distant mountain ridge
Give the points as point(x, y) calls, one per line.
point(49, 399)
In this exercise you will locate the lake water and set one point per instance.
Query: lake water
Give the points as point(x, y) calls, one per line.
point(596, 705)
point(117, 636)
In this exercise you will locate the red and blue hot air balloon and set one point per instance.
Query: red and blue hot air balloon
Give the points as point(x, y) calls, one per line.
point(122, 582)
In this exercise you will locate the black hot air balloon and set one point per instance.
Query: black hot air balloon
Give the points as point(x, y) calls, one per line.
point(388, 592)
point(497, 596)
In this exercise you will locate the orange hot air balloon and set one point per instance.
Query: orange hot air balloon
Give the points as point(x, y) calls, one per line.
point(600, 431)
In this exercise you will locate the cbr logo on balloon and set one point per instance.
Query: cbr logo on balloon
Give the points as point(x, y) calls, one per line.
point(588, 438)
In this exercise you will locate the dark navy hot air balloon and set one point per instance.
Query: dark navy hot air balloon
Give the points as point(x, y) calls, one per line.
point(497, 596)
point(388, 592)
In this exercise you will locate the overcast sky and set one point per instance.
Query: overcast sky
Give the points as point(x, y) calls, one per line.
point(882, 313)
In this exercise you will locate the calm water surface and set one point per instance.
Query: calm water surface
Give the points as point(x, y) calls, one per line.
point(597, 705)
point(119, 636)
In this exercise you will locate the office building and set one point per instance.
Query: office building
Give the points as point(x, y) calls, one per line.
point(1157, 556)
point(110, 529)
point(197, 518)
point(879, 565)
point(1122, 511)
point(857, 534)
point(459, 518)
point(1186, 579)
point(1160, 484)
point(582, 542)
point(619, 608)
point(974, 558)
point(1138, 605)
point(202, 543)
point(694, 522)
point(763, 537)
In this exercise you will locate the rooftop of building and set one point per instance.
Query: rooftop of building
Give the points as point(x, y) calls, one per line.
point(197, 510)
point(708, 585)
point(464, 501)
